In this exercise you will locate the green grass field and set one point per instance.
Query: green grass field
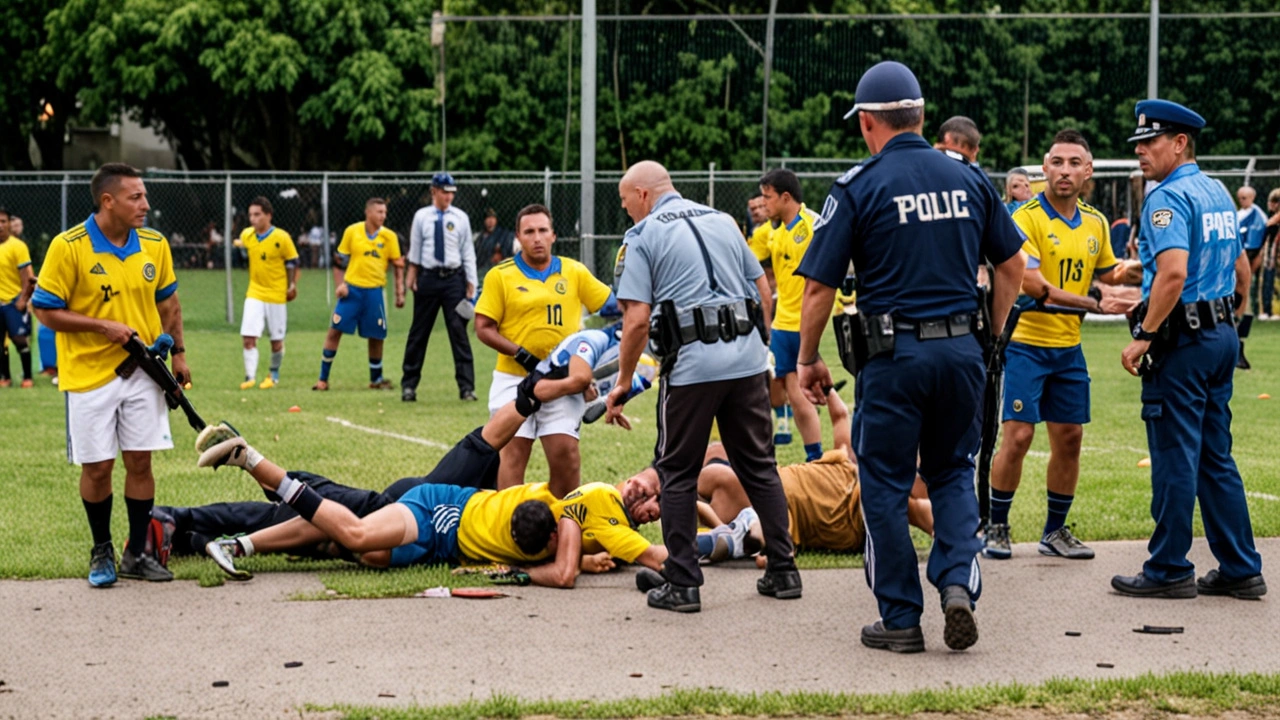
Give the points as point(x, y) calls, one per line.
point(43, 533)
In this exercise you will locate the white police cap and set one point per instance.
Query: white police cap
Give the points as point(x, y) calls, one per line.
point(887, 85)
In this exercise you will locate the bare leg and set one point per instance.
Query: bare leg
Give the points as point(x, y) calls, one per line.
point(1006, 469)
point(726, 496)
point(805, 414)
point(514, 458)
point(502, 427)
point(1064, 457)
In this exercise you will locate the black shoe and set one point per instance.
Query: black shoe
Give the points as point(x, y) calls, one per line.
point(647, 579)
point(906, 640)
point(960, 631)
point(1243, 363)
point(1140, 586)
point(675, 597)
point(409, 395)
point(781, 584)
point(1215, 583)
point(467, 395)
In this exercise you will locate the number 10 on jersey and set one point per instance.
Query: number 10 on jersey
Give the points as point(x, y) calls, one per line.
point(555, 315)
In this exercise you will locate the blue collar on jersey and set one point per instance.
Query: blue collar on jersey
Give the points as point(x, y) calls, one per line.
point(1180, 171)
point(1053, 214)
point(539, 275)
point(796, 220)
point(375, 235)
point(264, 235)
point(102, 245)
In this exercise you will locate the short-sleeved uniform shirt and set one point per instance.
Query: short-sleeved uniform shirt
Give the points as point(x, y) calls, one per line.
point(758, 241)
point(915, 222)
point(485, 531)
point(662, 259)
point(823, 503)
point(537, 309)
point(597, 508)
point(1068, 253)
point(591, 346)
point(787, 246)
point(1253, 227)
point(84, 273)
point(268, 276)
point(1193, 212)
point(14, 256)
point(369, 256)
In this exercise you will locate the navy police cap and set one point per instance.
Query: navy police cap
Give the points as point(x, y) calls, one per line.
point(1157, 117)
point(887, 85)
point(444, 181)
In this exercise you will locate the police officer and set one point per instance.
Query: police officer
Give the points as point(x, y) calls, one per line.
point(1195, 271)
point(914, 221)
point(689, 261)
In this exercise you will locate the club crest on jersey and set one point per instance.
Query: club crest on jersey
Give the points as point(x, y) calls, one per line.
point(98, 269)
point(449, 226)
point(1017, 406)
point(562, 287)
point(149, 272)
point(1093, 245)
point(1162, 218)
point(801, 235)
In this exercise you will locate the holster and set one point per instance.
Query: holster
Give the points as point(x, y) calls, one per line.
point(860, 338)
point(1160, 345)
point(664, 329)
point(756, 311)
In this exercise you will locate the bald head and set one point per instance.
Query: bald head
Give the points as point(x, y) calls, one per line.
point(1246, 195)
point(641, 187)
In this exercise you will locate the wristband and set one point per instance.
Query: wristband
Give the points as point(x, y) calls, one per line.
point(177, 350)
point(527, 360)
point(813, 361)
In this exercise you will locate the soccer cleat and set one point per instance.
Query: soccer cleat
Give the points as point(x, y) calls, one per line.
point(906, 640)
point(223, 553)
point(248, 384)
point(1062, 543)
point(730, 540)
point(1140, 586)
point(102, 565)
point(594, 411)
point(676, 598)
point(381, 384)
point(995, 542)
point(267, 384)
point(1215, 583)
point(233, 451)
point(320, 385)
point(27, 383)
point(141, 566)
point(960, 631)
point(213, 434)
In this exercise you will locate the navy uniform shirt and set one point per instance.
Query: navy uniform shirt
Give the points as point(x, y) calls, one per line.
point(916, 223)
point(1190, 211)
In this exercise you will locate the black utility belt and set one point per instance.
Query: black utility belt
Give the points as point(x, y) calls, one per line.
point(440, 272)
point(672, 328)
point(860, 338)
point(938, 328)
point(1203, 315)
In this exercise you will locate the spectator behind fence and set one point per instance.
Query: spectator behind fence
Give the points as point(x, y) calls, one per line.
point(493, 245)
point(1017, 189)
point(960, 135)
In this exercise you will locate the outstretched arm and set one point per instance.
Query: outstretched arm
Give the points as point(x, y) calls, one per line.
point(563, 571)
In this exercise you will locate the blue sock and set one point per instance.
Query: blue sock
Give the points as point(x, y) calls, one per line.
point(326, 363)
point(780, 411)
point(812, 451)
point(1059, 506)
point(375, 369)
point(1001, 501)
point(705, 543)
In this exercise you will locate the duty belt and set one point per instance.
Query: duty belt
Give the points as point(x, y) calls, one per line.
point(715, 323)
point(937, 328)
point(1204, 314)
point(441, 272)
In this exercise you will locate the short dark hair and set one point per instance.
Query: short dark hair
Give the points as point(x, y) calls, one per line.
point(964, 129)
point(1071, 136)
point(5, 212)
point(367, 203)
point(531, 526)
point(1018, 171)
point(263, 203)
point(105, 180)
point(900, 119)
point(755, 195)
point(534, 209)
point(783, 180)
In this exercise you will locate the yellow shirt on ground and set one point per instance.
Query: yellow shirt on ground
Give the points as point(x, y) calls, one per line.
point(537, 309)
point(484, 533)
point(1068, 253)
point(84, 273)
point(14, 256)
point(597, 508)
point(370, 256)
point(787, 245)
point(823, 503)
point(268, 277)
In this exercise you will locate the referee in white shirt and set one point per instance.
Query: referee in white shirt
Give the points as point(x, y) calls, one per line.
point(442, 271)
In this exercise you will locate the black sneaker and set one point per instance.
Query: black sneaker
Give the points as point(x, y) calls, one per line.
point(141, 566)
point(409, 395)
point(906, 640)
point(467, 396)
point(1215, 583)
point(1140, 586)
point(675, 597)
point(648, 579)
point(960, 631)
point(781, 584)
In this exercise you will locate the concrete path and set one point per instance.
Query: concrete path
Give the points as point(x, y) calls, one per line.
point(142, 650)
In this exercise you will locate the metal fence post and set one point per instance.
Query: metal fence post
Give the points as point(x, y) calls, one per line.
point(546, 186)
point(1153, 52)
point(226, 251)
point(328, 251)
point(711, 184)
point(587, 140)
point(66, 180)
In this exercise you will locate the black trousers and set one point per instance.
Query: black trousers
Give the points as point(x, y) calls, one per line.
point(470, 463)
point(741, 409)
point(435, 293)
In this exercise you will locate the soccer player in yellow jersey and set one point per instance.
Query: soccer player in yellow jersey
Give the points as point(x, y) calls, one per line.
point(17, 283)
point(360, 274)
point(529, 304)
point(104, 281)
point(787, 245)
point(1046, 379)
point(273, 281)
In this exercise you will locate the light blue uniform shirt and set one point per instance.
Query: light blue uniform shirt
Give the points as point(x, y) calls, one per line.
point(1253, 227)
point(590, 345)
point(459, 251)
point(661, 259)
point(1193, 212)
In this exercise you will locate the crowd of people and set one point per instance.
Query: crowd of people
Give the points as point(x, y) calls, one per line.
point(734, 324)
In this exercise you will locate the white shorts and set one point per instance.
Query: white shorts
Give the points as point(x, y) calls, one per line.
point(124, 414)
point(562, 416)
point(257, 312)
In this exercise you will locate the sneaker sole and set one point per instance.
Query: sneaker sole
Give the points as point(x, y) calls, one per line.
point(1185, 592)
point(897, 646)
point(961, 630)
point(686, 608)
point(102, 583)
point(996, 554)
point(1048, 550)
point(793, 594)
point(593, 413)
point(132, 576)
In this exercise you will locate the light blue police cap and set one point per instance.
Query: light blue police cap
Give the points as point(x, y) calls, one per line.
point(444, 181)
point(887, 85)
point(1157, 117)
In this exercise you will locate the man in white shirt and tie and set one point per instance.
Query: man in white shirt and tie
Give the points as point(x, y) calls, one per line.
point(442, 273)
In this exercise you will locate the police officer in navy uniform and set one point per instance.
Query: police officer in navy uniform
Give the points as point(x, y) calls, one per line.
point(686, 264)
point(1195, 272)
point(915, 222)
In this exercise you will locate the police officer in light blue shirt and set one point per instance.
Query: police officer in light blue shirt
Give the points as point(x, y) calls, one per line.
point(1185, 345)
point(915, 222)
point(686, 264)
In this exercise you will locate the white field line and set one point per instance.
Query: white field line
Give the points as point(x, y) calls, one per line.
point(1261, 496)
point(384, 433)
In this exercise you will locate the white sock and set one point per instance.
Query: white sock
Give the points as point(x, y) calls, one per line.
point(276, 359)
point(250, 363)
point(245, 544)
point(290, 489)
point(251, 458)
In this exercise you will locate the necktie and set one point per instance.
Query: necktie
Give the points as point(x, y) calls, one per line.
point(439, 239)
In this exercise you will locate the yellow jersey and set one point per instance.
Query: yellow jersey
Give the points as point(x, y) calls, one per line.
point(84, 273)
point(758, 241)
point(537, 309)
point(484, 533)
point(597, 508)
point(268, 276)
point(788, 244)
point(370, 256)
point(14, 256)
point(1067, 253)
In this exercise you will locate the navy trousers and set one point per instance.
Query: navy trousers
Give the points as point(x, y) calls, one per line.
point(925, 399)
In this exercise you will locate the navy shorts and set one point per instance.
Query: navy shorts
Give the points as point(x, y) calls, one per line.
point(438, 510)
point(16, 324)
point(362, 309)
point(1046, 385)
point(785, 346)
